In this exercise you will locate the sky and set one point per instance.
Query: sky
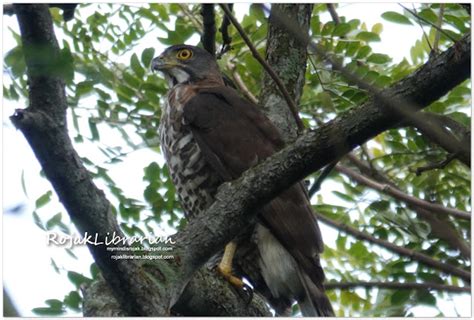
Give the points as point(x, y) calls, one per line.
point(27, 270)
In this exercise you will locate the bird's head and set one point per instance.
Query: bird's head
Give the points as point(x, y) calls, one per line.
point(186, 64)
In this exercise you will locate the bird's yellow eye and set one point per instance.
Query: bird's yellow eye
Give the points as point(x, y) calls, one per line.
point(184, 54)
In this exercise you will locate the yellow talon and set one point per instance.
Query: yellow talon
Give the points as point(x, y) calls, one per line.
point(225, 266)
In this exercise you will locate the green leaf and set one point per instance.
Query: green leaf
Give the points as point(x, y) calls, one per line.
point(400, 297)
point(47, 311)
point(378, 58)
point(341, 29)
point(38, 221)
point(343, 196)
point(93, 129)
point(377, 28)
point(363, 52)
point(396, 17)
point(73, 300)
point(136, 67)
point(425, 297)
point(147, 56)
point(368, 36)
point(54, 221)
point(152, 172)
point(429, 15)
point(23, 184)
point(43, 200)
point(77, 279)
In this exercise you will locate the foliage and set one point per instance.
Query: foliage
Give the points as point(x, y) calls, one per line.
point(107, 51)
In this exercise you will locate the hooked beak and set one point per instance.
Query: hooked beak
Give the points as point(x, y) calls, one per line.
point(161, 63)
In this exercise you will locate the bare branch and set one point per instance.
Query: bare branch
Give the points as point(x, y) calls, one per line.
point(397, 285)
point(437, 165)
point(402, 251)
point(240, 84)
point(387, 189)
point(265, 65)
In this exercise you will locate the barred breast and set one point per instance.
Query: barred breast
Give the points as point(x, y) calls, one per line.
point(196, 183)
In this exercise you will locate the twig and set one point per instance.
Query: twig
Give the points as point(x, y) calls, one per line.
point(322, 176)
point(238, 81)
point(397, 285)
point(433, 127)
point(402, 251)
point(208, 38)
point(265, 65)
point(418, 21)
point(387, 189)
point(438, 23)
point(224, 29)
point(333, 13)
point(437, 165)
point(440, 228)
point(195, 22)
point(428, 22)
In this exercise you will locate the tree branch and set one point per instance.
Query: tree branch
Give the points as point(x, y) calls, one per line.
point(428, 22)
point(224, 29)
point(402, 251)
point(268, 69)
point(43, 124)
point(397, 285)
point(440, 228)
point(240, 84)
point(205, 295)
point(288, 57)
point(332, 11)
point(399, 107)
point(208, 38)
point(442, 137)
point(397, 194)
point(237, 201)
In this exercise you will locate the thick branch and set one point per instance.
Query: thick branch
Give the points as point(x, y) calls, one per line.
point(397, 194)
point(44, 125)
point(399, 107)
point(238, 201)
point(288, 58)
point(397, 285)
point(205, 295)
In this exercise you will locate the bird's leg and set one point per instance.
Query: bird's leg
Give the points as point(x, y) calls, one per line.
point(225, 266)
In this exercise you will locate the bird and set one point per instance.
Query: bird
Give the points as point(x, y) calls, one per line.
point(209, 135)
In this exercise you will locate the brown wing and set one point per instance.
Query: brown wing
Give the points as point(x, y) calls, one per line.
point(234, 136)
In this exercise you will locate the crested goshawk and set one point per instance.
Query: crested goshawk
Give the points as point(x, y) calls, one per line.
point(210, 135)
